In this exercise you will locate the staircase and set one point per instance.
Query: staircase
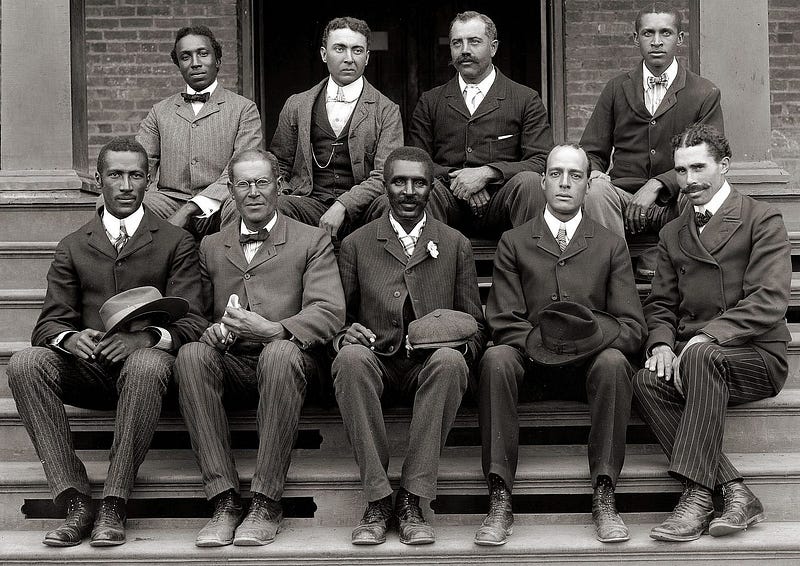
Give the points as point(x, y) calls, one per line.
point(323, 501)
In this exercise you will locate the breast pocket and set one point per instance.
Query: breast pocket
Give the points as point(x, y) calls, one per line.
point(504, 148)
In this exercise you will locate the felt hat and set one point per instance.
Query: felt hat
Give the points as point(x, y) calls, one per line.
point(140, 302)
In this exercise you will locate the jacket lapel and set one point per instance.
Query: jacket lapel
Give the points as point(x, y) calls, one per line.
point(689, 239)
point(578, 242)
point(277, 236)
point(430, 233)
point(671, 97)
point(183, 108)
point(634, 92)
point(545, 241)
point(391, 242)
point(723, 224)
point(491, 101)
point(98, 239)
point(360, 112)
point(304, 115)
point(216, 100)
point(455, 99)
point(233, 251)
point(141, 238)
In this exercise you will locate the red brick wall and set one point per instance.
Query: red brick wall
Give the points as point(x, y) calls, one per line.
point(784, 82)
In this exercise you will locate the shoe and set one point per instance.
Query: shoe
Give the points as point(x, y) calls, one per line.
point(220, 528)
point(374, 523)
point(690, 518)
point(109, 525)
point(76, 526)
point(414, 529)
point(741, 509)
point(262, 523)
point(498, 524)
point(608, 525)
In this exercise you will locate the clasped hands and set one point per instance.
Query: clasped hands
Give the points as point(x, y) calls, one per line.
point(469, 184)
point(666, 363)
point(90, 344)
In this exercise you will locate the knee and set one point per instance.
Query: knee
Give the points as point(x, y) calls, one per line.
point(189, 357)
point(499, 365)
point(353, 367)
point(526, 180)
point(698, 359)
point(149, 366)
point(282, 359)
point(450, 358)
point(612, 369)
point(643, 380)
point(23, 365)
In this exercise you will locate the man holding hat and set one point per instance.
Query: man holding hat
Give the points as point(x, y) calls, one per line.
point(564, 312)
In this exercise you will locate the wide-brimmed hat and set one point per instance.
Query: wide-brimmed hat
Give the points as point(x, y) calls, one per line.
point(442, 328)
point(140, 302)
point(569, 332)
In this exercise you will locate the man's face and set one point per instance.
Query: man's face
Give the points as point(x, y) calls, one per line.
point(407, 187)
point(254, 189)
point(565, 181)
point(658, 39)
point(123, 181)
point(699, 175)
point(471, 51)
point(197, 61)
point(346, 55)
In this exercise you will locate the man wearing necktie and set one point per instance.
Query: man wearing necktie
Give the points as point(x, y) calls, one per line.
point(272, 289)
point(718, 334)
point(191, 136)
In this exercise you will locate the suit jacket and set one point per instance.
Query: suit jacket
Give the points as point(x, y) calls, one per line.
point(641, 142)
point(189, 154)
point(86, 271)
point(531, 271)
point(731, 282)
point(378, 277)
point(375, 130)
point(292, 279)
point(508, 131)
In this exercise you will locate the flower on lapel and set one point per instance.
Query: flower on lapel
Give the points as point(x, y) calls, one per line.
point(432, 249)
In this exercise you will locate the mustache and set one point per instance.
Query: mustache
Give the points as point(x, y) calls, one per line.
point(695, 187)
point(463, 59)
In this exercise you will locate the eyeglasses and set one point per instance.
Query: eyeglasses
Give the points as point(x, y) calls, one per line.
point(259, 184)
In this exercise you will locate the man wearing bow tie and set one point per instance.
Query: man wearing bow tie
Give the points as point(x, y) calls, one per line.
point(191, 136)
point(718, 335)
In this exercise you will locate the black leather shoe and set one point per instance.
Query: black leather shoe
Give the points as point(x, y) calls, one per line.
point(690, 518)
point(261, 524)
point(227, 516)
point(76, 526)
point(414, 529)
point(109, 525)
point(374, 523)
point(607, 523)
point(498, 523)
point(741, 509)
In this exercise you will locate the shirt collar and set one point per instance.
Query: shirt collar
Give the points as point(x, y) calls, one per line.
point(671, 72)
point(268, 226)
point(111, 222)
point(484, 85)
point(415, 231)
point(351, 91)
point(554, 223)
point(209, 89)
point(716, 201)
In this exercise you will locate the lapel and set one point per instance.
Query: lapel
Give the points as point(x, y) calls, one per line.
point(213, 105)
point(689, 238)
point(98, 239)
point(430, 233)
point(141, 238)
point(671, 97)
point(392, 243)
point(544, 238)
point(578, 242)
point(368, 96)
point(305, 112)
point(268, 250)
point(491, 101)
point(634, 92)
point(723, 224)
point(455, 98)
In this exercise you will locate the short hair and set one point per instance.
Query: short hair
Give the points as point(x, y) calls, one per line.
point(122, 144)
point(698, 134)
point(410, 153)
point(659, 8)
point(195, 30)
point(491, 29)
point(346, 22)
point(255, 154)
point(572, 146)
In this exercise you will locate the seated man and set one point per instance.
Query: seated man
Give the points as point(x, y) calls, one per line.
point(396, 270)
point(579, 345)
point(718, 334)
point(273, 288)
point(123, 247)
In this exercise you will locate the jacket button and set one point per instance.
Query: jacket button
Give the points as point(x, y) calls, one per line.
point(469, 150)
point(409, 271)
point(653, 123)
point(194, 124)
point(562, 262)
point(554, 297)
point(397, 294)
point(119, 263)
point(247, 276)
point(720, 312)
point(194, 160)
point(391, 348)
point(652, 152)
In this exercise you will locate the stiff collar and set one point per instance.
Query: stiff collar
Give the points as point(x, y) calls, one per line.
point(483, 86)
point(554, 223)
point(671, 72)
point(415, 231)
point(351, 91)
point(268, 226)
point(716, 201)
point(111, 223)
point(209, 89)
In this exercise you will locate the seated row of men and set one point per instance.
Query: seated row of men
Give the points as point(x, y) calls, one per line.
point(252, 320)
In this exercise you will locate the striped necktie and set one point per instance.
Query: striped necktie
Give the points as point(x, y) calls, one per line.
point(122, 238)
point(561, 237)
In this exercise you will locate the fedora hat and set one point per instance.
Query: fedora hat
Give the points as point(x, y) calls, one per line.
point(139, 302)
point(569, 332)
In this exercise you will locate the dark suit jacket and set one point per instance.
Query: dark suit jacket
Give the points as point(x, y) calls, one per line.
point(641, 141)
point(508, 131)
point(378, 277)
point(731, 282)
point(86, 272)
point(293, 279)
point(530, 272)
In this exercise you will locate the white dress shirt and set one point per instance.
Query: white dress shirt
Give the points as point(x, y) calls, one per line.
point(339, 112)
point(554, 223)
point(250, 248)
point(482, 88)
point(716, 201)
point(655, 94)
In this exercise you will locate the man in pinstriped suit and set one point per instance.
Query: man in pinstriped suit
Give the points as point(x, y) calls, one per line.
point(718, 335)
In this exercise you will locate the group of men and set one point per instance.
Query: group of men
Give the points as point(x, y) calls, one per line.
point(262, 314)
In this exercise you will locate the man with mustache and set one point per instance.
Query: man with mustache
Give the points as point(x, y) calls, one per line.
point(718, 334)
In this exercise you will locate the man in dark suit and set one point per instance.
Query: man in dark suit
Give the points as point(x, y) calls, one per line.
point(272, 287)
point(125, 246)
point(560, 255)
point(395, 270)
point(718, 335)
point(191, 136)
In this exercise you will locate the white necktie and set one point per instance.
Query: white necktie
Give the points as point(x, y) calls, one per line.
point(472, 97)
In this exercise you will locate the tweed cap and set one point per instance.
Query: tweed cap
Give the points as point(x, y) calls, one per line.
point(442, 328)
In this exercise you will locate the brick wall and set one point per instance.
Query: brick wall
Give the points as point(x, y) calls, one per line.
point(784, 82)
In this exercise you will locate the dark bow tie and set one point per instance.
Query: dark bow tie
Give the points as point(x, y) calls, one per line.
point(259, 236)
point(652, 81)
point(197, 97)
point(702, 218)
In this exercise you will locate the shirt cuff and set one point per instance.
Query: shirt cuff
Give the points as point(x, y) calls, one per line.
point(208, 206)
point(165, 342)
point(56, 342)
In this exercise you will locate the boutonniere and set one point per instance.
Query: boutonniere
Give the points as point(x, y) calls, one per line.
point(432, 249)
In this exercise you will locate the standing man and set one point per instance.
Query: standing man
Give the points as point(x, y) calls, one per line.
point(553, 324)
point(272, 287)
point(191, 136)
point(718, 335)
point(123, 247)
point(395, 270)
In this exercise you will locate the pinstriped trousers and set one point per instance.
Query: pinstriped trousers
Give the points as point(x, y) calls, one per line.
point(43, 380)
point(274, 381)
point(690, 430)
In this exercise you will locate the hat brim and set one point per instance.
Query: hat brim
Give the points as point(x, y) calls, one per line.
point(609, 326)
point(168, 309)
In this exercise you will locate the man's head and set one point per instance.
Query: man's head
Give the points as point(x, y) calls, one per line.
point(565, 180)
point(254, 183)
point(702, 157)
point(122, 175)
point(408, 174)
point(345, 49)
point(658, 35)
point(197, 54)
point(473, 43)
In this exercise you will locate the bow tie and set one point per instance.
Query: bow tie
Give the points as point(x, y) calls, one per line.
point(702, 218)
point(197, 97)
point(652, 81)
point(259, 236)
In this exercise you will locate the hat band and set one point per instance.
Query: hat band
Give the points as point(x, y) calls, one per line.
point(573, 347)
point(119, 315)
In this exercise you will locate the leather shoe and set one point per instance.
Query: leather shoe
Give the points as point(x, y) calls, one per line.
point(607, 523)
point(741, 509)
point(414, 529)
point(227, 516)
point(262, 523)
point(76, 526)
point(690, 518)
point(374, 523)
point(109, 525)
point(498, 523)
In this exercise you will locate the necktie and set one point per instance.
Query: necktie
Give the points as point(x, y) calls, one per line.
point(259, 236)
point(339, 95)
point(472, 97)
point(122, 238)
point(702, 218)
point(197, 97)
point(662, 80)
point(561, 237)
point(409, 243)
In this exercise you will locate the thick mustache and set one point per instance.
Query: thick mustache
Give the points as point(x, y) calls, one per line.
point(695, 187)
point(463, 59)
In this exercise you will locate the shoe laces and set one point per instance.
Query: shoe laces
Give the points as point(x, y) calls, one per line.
point(408, 508)
point(225, 505)
point(109, 512)
point(689, 503)
point(499, 501)
point(264, 508)
point(378, 511)
point(605, 501)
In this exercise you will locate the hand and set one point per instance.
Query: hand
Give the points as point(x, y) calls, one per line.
point(216, 338)
point(250, 326)
point(478, 202)
point(358, 334)
point(120, 345)
point(696, 339)
point(158, 203)
point(82, 344)
point(184, 214)
point(663, 361)
point(333, 218)
point(466, 182)
point(636, 211)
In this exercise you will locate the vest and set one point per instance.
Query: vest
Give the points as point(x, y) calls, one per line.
point(332, 172)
